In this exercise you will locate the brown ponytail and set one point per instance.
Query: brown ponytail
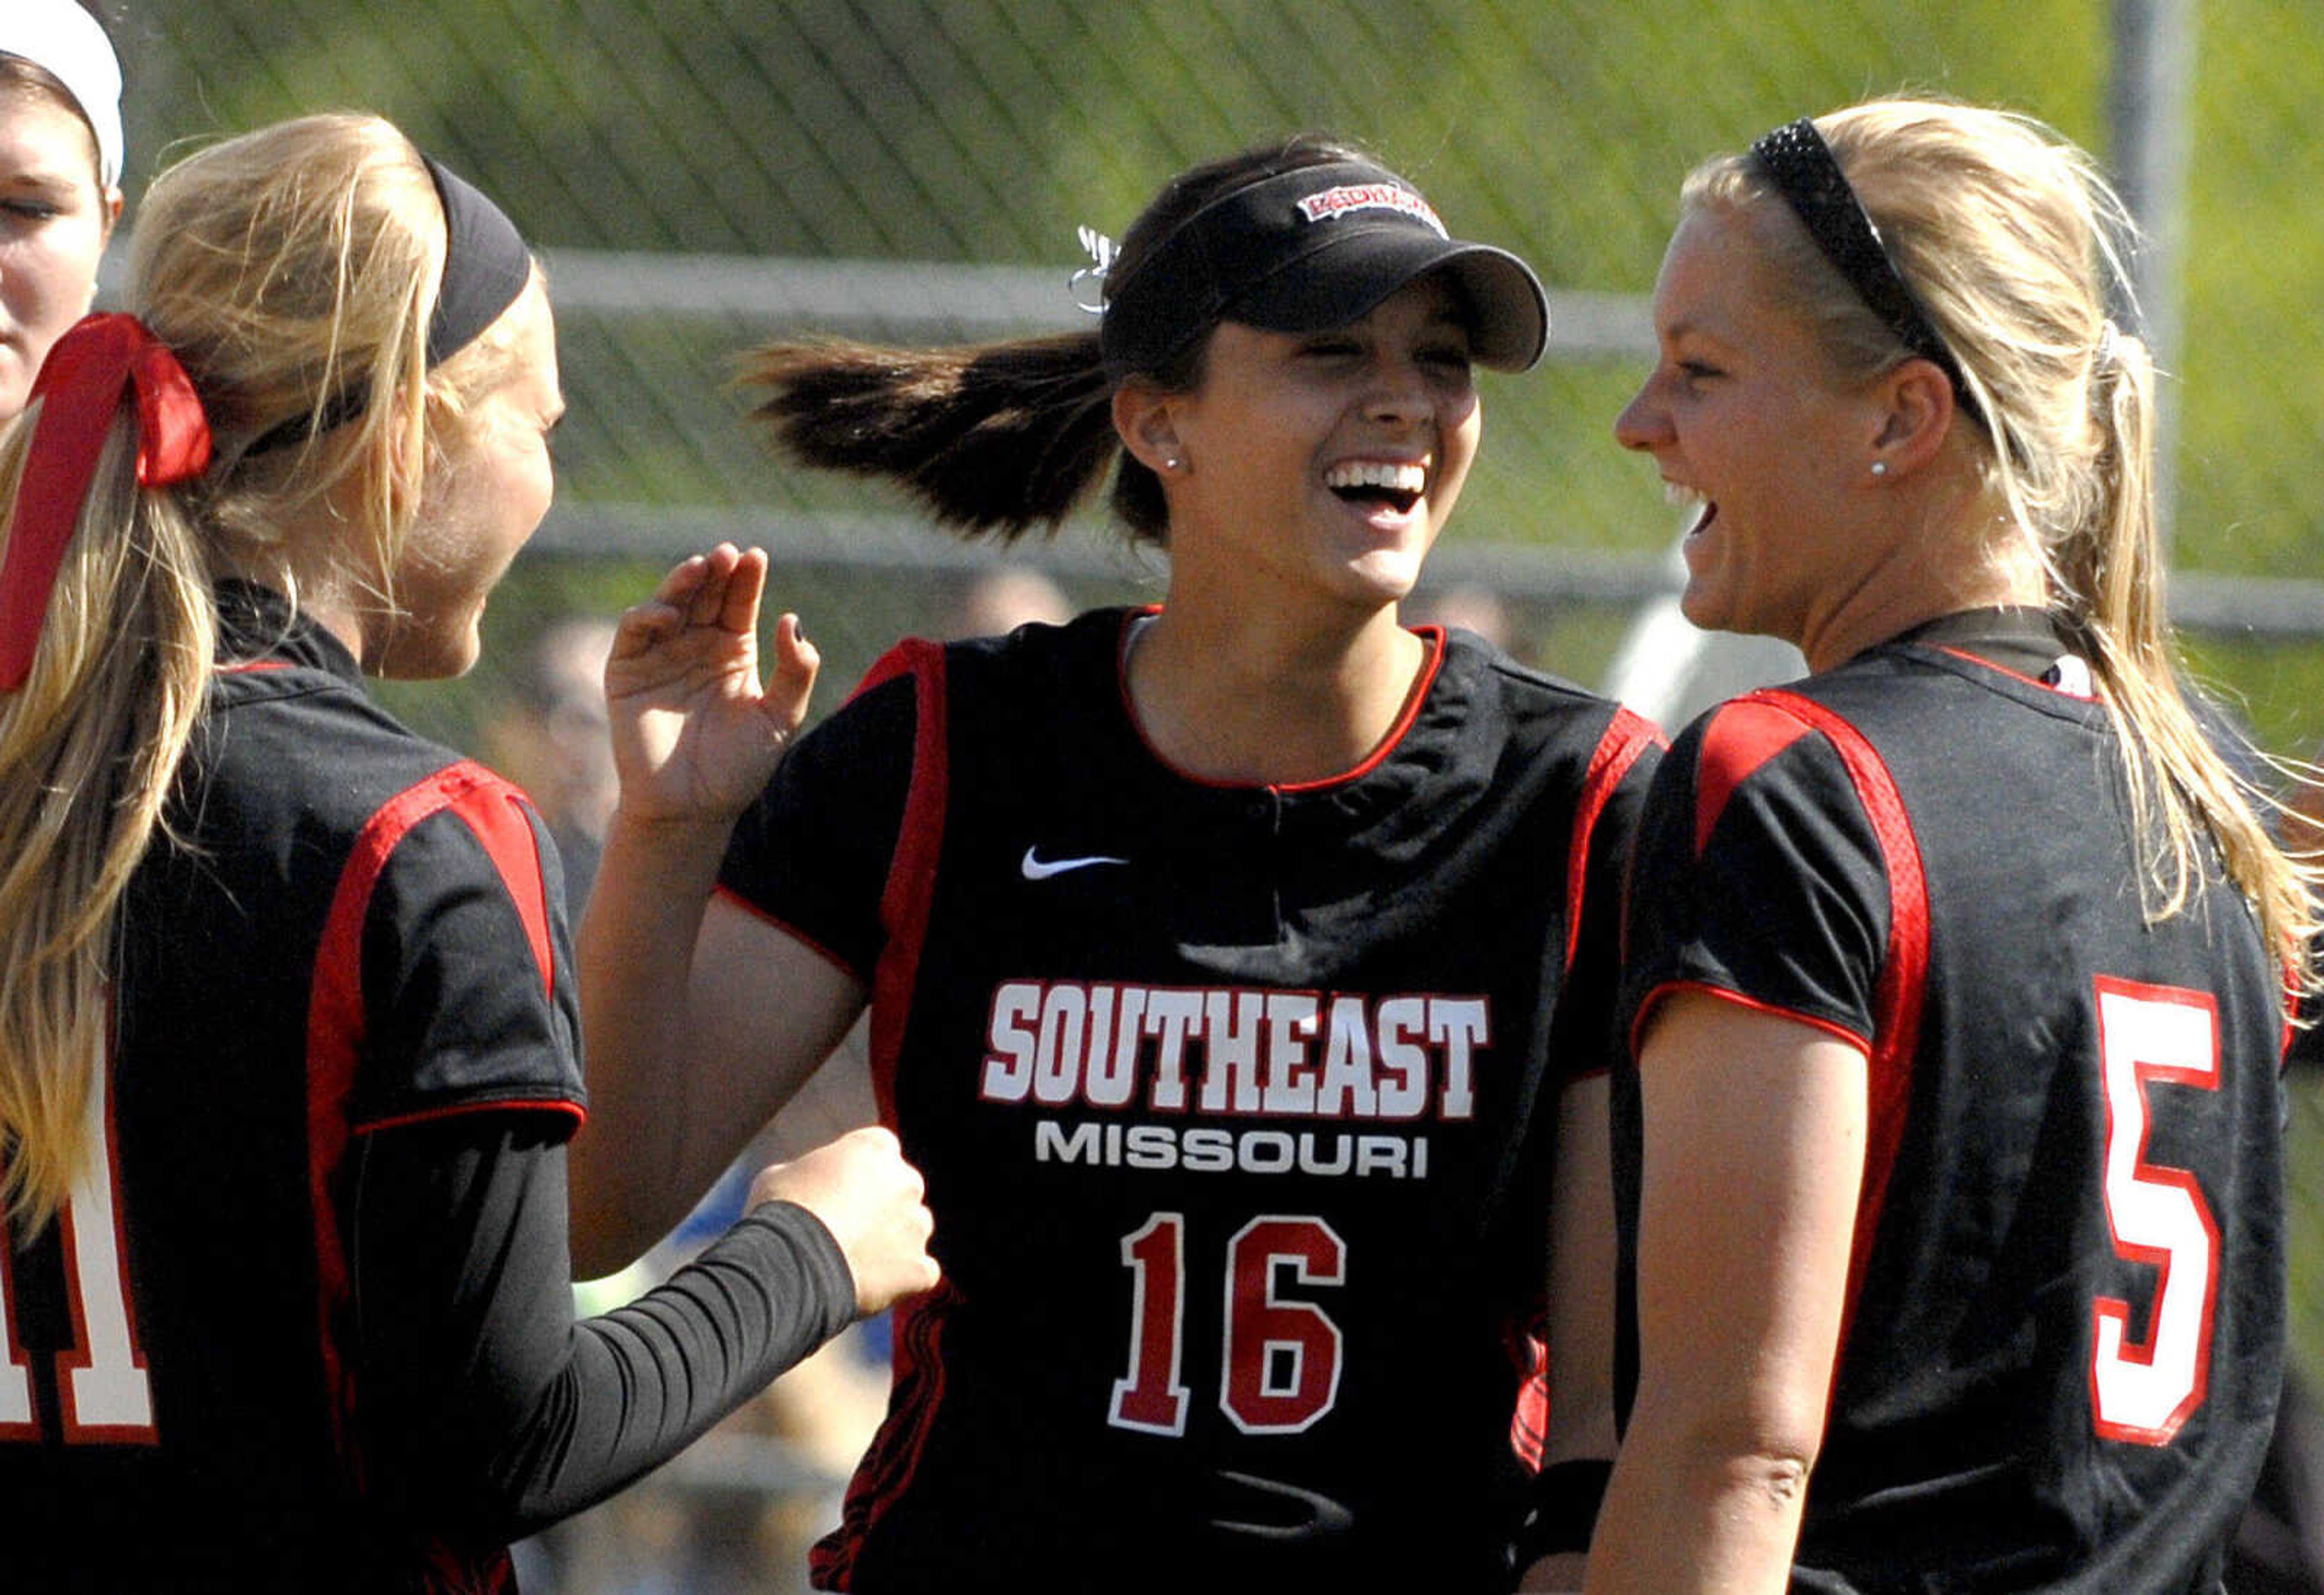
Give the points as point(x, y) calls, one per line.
point(996, 439)
point(992, 439)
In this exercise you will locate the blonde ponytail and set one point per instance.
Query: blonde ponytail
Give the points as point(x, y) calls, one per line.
point(291, 272)
point(89, 746)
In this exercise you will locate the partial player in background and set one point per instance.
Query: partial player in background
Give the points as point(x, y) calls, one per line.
point(1951, 1164)
point(1229, 962)
point(59, 178)
point(288, 1046)
point(549, 739)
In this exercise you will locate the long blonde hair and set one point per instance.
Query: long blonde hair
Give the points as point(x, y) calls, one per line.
point(288, 270)
point(2012, 240)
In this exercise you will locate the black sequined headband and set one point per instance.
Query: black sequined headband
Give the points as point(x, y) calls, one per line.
point(1801, 166)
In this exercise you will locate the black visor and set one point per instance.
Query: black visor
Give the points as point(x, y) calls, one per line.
point(1319, 247)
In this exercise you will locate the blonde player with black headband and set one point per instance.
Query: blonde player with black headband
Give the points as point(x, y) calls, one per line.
point(288, 1054)
point(1955, 980)
point(1232, 962)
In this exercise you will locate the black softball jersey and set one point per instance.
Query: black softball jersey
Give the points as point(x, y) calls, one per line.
point(2065, 1308)
point(306, 1322)
point(1234, 1103)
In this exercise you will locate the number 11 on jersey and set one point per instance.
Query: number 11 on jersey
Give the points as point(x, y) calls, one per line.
point(104, 1393)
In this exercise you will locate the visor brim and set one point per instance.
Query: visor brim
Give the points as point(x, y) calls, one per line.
point(1349, 276)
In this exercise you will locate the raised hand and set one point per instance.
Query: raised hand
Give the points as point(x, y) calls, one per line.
point(694, 737)
point(871, 1202)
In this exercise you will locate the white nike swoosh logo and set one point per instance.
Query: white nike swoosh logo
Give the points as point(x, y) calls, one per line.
point(1037, 869)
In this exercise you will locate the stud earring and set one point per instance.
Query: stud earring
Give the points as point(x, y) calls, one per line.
point(1880, 468)
point(1171, 463)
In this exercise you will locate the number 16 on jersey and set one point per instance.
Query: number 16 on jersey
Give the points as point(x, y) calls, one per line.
point(1279, 1362)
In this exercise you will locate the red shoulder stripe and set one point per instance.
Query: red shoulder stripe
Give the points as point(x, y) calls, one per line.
point(1626, 737)
point(337, 1022)
point(495, 811)
point(1904, 971)
point(904, 908)
point(904, 903)
point(1742, 735)
point(897, 661)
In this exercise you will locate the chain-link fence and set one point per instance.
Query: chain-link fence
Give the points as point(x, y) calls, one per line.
point(703, 173)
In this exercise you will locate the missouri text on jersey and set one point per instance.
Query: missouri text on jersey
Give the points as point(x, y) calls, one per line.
point(1238, 1051)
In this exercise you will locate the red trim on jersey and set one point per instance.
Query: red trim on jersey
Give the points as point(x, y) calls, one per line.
point(455, 1571)
point(894, 1455)
point(1897, 999)
point(497, 817)
point(1742, 735)
point(904, 907)
point(337, 1021)
point(254, 667)
point(1431, 664)
point(1529, 1423)
point(462, 1109)
point(1626, 737)
point(2079, 697)
point(1432, 639)
point(1653, 999)
point(904, 901)
point(776, 922)
point(897, 661)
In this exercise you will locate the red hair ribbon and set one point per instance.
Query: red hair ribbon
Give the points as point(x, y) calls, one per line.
point(79, 387)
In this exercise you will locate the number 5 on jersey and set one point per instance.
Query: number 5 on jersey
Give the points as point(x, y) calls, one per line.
point(2151, 1036)
point(1280, 1370)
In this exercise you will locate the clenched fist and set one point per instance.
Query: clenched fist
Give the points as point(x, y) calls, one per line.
point(870, 1199)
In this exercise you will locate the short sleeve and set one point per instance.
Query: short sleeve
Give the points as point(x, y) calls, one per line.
point(467, 994)
point(812, 854)
point(1758, 875)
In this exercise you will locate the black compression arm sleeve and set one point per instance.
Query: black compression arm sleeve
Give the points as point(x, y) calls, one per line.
point(484, 1410)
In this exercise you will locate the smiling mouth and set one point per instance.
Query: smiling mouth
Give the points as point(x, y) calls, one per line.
point(1379, 482)
point(1706, 508)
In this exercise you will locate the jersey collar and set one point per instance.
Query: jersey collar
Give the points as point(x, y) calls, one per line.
point(258, 624)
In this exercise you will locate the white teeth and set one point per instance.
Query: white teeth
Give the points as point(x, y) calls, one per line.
point(1676, 492)
point(1394, 478)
